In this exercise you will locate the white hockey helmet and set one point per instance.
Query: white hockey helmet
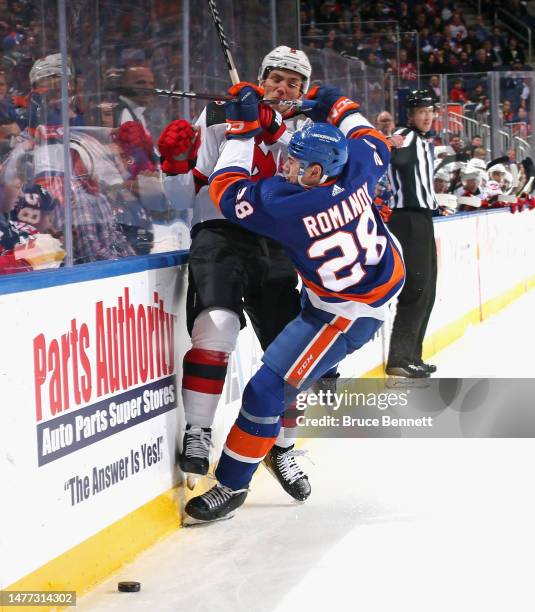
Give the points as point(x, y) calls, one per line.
point(470, 172)
point(442, 175)
point(478, 163)
point(287, 58)
point(48, 66)
point(442, 151)
point(477, 166)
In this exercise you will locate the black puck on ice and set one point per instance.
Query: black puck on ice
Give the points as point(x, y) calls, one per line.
point(129, 586)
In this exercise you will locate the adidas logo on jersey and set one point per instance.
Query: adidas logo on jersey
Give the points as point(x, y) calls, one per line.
point(336, 190)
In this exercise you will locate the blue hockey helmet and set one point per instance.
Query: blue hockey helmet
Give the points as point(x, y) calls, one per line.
point(319, 143)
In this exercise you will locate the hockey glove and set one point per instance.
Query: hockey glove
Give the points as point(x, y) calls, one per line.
point(242, 116)
point(132, 135)
point(271, 123)
point(178, 145)
point(331, 105)
point(136, 147)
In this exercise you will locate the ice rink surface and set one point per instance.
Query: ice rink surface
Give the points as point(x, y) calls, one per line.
point(411, 525)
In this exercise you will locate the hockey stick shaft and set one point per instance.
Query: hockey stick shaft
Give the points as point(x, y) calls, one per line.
point(224, 43)
point(194, 95)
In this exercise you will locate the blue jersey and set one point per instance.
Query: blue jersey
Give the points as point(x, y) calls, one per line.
point(348, 260)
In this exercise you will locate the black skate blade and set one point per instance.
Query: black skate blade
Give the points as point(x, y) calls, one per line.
point(190, 521)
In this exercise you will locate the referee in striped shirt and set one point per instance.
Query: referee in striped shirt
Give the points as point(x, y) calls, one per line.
point(413, 203)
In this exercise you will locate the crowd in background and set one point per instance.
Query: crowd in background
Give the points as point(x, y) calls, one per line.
point(425, 39)
point(118, 198)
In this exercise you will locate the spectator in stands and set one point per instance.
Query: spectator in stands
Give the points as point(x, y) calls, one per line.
point(482, 110)
point(444, 63)
point(456, 143)
point(430, 64)
point(476, 142)
point(464, 63)
point(447, 11)
point(407, 69)
point(525, 93)
point(491, 55)
point(506, 112)
point(16, 236)
point(458, 30)
point(498, 42)
point(477, 93)
point(94, 234)
point(333, 41)
point(458, 93)
point(471, 38)
point(482, 30)
point(434, 84)
point(133, 104)
point(522, 127)
point(9, 127)
point(513, 54)
point(511, 154)
point(479, 153)
point(426, 45)
point(436, 38)
point(482, 63)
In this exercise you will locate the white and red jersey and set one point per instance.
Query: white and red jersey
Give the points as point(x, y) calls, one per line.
point(191, 190)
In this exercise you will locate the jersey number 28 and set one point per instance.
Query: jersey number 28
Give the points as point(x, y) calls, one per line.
point(342, 272)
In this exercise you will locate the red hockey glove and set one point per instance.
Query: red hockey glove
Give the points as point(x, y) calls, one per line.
point(271, 123)
point(132, 135)
point(242, 115)
point(331, 105)
point(178, 145)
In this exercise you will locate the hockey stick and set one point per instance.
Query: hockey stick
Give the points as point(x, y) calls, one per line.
point(194, 95)
point(224, 44)
point(448, 159)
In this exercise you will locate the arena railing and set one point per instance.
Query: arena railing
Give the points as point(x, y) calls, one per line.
point(511, 23)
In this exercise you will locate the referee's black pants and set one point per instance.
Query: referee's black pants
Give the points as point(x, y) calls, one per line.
point(414, 230)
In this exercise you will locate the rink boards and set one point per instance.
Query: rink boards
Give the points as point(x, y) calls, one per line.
point(90, 372)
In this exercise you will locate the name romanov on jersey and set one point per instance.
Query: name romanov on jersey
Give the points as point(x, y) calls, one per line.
point(339, 214)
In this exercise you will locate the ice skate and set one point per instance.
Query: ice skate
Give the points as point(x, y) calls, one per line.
point(217, 504)
point(194, 458)
point(430, 368)
point(282, 465)
point(407, 370)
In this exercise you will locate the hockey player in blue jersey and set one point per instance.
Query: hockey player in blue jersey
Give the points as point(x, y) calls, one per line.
point(321, 212)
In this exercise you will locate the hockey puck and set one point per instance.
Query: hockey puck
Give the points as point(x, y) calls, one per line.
point(129, 586)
